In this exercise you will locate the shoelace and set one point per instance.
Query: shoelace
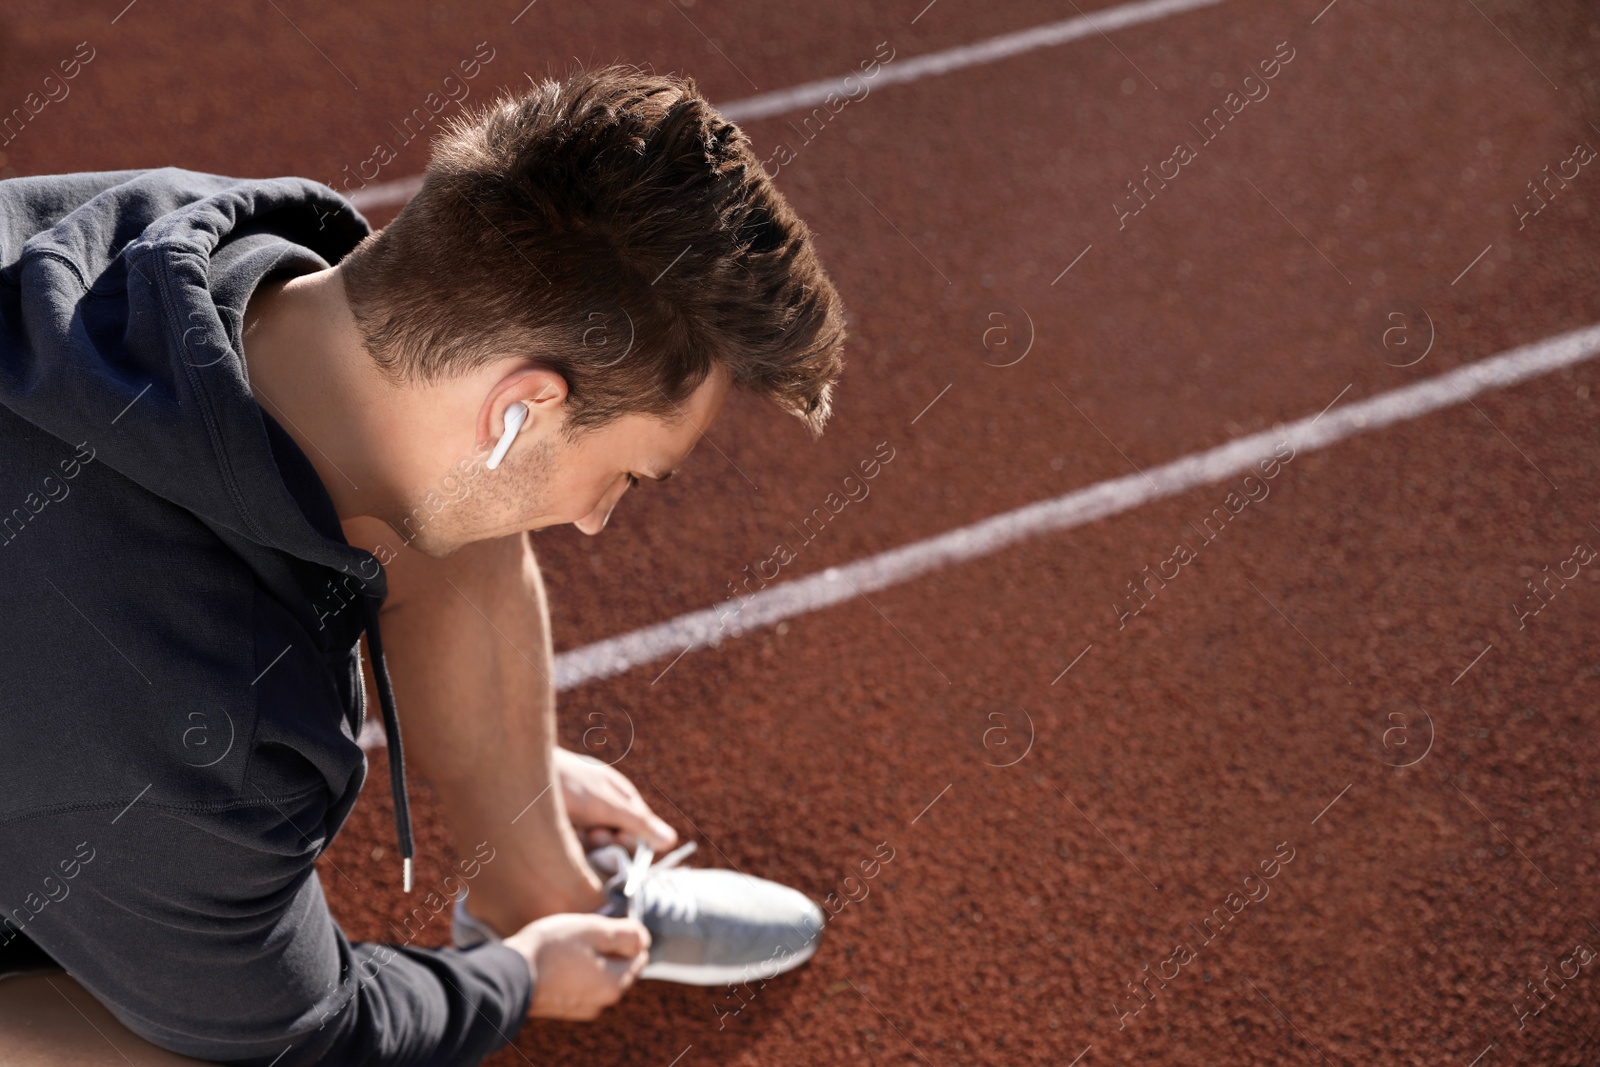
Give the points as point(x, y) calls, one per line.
point(640, 868)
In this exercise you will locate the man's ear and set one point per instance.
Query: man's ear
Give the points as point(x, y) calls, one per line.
point(542, 389)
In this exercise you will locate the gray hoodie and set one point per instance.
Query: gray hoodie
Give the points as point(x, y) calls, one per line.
point(180, 617)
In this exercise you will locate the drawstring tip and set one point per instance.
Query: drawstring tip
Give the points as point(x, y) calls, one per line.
point(405, 878)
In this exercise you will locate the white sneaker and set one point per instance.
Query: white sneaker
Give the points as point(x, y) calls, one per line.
point(707, 927)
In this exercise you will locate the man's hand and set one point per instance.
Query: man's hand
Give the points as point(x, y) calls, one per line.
point(605, 807)
point(581, 964)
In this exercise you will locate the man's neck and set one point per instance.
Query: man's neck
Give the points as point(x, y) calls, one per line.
point(308, 369)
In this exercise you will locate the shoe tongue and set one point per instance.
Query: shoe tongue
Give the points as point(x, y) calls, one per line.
point(611, 863)
point(609, 860)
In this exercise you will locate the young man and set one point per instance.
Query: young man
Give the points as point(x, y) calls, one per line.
point(213, 393)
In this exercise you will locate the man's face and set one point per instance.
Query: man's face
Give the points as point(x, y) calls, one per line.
point(546, 480)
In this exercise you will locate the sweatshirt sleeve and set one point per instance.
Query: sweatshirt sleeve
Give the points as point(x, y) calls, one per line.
point(208, 934)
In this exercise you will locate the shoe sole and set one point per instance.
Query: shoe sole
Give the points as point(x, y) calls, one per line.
point(725, 974)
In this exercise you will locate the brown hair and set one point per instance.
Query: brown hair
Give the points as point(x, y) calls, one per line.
point(615, 228)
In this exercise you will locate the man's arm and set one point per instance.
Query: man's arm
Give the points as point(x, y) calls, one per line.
point(206, 933)
point(467, 642)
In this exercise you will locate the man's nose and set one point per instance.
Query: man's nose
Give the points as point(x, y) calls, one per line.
point(596, 520)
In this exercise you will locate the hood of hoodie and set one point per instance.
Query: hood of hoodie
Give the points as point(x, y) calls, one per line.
point(159, 362)
point(122, 297)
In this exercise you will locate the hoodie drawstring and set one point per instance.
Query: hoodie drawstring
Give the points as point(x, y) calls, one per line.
point(391, 733)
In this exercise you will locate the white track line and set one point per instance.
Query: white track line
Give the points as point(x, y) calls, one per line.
point(386, 195)
point(836, 585)
point(960, 57)
point(613, 656)
point(395, 193)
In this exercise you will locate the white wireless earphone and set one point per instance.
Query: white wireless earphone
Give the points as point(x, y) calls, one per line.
point(516, 415)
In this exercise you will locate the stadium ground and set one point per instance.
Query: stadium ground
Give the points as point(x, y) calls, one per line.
point(1084, 748)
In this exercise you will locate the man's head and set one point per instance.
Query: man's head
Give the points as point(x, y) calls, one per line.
point(609, 251)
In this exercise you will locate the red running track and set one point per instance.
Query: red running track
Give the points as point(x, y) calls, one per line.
point(1248, 713)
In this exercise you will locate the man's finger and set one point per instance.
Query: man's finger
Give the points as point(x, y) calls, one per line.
point(626, 972)
point(660, 834)
point(640, 822)
point(621, 937)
